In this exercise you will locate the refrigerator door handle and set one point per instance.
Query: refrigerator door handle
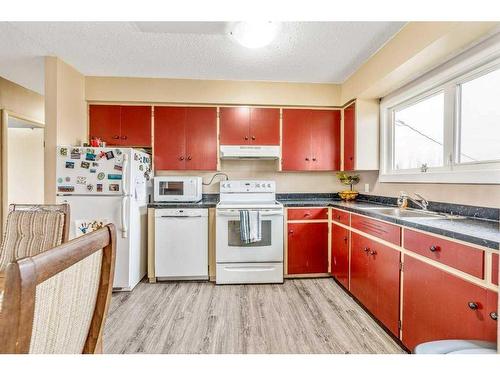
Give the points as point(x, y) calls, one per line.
point(125, 174)
point(124, 228)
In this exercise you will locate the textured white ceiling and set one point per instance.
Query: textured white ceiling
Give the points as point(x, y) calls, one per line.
point(325, 52)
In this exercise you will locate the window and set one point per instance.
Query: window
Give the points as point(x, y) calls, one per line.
point(445, 127)
point(479, 130)
point(418, 134)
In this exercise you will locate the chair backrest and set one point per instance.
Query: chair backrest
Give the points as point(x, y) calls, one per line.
point(57, 301)
point(32, 229)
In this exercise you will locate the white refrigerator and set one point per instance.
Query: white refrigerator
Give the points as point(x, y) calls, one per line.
point(109, 185)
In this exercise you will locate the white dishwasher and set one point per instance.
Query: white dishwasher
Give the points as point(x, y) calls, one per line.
point(181, 244)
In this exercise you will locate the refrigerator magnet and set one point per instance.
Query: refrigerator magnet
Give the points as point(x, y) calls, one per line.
point(90, 187)
point(141, 167)
point(112, 176)
point(63, 151)
point(70, 164)
point(136, 157)
point(90, 157)
point(93, 170)
point(90, 151)
point(118, 151)
point(59, 180)
point(101, 176)
point(81, 180)
point(95, 164)
point(65, 189)
point(118, 167)
point(75, 153)
point(101, 154)
point(67, 179)
point(85, 164)
point(114, 187)
point(109, 155)
point(99, 188)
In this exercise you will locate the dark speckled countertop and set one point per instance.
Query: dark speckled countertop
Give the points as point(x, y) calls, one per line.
point(481, 226)
point(484, 232)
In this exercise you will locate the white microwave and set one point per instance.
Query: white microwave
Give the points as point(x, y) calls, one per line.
point(177, 189)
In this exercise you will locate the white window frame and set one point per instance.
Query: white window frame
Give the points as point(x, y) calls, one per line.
point(447, 78)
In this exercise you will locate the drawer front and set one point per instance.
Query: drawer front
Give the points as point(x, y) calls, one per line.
point(385, 231)
point(494, 269)
point(458, 256)
point(308, 214)
point(340, 216)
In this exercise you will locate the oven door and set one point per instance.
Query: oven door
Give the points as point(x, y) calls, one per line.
point(230, 248)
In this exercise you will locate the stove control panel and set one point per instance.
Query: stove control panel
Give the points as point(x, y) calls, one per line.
point(247, 186)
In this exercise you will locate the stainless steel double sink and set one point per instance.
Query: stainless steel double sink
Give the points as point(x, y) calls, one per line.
point(411, 213)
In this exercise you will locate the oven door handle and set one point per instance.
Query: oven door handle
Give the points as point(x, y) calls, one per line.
point(237, 214)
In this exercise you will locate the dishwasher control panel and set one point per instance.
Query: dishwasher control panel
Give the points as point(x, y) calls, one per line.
point(181, 212)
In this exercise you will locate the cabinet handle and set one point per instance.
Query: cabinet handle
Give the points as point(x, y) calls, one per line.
point(350, 157)
point(307, 159)
point(473, 305)
point(124, 137)
point(338, 217)
point(290, 231)
point(366, 249)
point(493, 315)
point(246, 138)
point(253, 138)
point(189, 157)
point(373, 252)
point(116, 137)
point(345, 239)
point(314, 159)
point(307, 214)
point(434, 248)
point(181, 157)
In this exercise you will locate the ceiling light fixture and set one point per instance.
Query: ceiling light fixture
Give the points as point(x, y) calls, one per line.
point(255, 34)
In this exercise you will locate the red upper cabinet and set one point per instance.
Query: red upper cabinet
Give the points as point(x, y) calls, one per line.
point(296, 146)
point(440, 306)
point(234, 125)
point(340, 254)
point(248, 125)
point(185, 138)
point(124, 126)
point(170, 138)
point(349, 136)
point(136, 126)
point(265, 126)
point(307, 248)
point(325, 140)
point(201, 138)
point(311, 140)
point(105, 122)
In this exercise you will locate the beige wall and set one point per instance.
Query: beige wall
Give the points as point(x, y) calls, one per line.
point(417, 48)
point(162, 90)
point(66, 115)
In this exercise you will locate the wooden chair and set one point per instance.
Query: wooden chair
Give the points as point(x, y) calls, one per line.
point(57, 301)
point(32, 229)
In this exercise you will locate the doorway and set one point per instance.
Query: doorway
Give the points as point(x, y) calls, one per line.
point(23, 162)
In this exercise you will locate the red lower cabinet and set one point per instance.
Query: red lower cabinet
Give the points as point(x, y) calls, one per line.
point(375, 279)
point(340, 255)
point(307, 248)
point(440, 306)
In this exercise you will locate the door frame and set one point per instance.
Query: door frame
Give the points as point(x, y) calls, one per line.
point(4, 162)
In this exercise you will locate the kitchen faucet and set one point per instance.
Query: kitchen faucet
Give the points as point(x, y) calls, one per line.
point(404, 197)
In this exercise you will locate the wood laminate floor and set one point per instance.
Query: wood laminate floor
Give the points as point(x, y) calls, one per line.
point(299, 316)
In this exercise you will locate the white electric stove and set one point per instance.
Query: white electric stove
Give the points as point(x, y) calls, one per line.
point(258, 262)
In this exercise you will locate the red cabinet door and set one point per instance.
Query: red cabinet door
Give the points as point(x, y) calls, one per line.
point(201, 138)
point(340, 255)
point(104, 123)
point(375, 279)
point(296, 142)
point(386, 277)
point(170, 139)
point(136, 126)
point(440, 306)
point(494, 269)
point(349, 137)
point(361, 285)
point(492, 311)
point(265, 126)
point(325, 140)
point(307, 248)
point(234, 125)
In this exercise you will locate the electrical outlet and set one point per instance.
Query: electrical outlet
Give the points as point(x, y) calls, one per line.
point(367, 188)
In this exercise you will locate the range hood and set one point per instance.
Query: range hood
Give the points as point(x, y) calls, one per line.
point(249, 152)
